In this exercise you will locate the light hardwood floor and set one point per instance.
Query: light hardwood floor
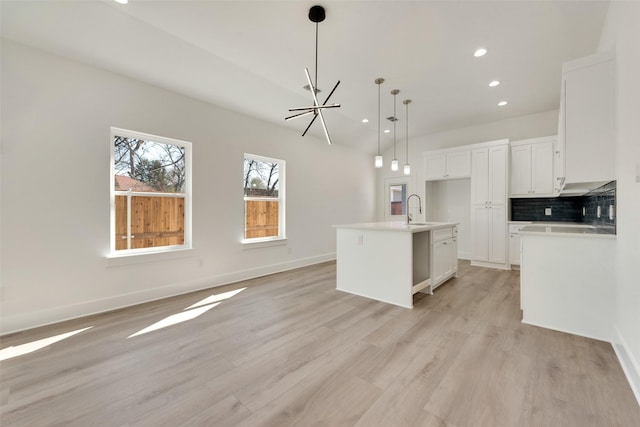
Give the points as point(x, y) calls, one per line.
point(290, 350)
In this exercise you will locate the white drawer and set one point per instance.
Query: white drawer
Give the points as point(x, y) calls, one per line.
point(515, 228)
point(443, 234)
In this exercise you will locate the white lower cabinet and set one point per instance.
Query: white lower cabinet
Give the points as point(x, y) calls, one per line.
point(489, 225)
point(514, 242)
point(445, 256)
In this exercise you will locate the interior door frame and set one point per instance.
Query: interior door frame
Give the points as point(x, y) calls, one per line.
point(386, 196)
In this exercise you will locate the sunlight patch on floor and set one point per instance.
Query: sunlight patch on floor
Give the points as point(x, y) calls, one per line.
point(216, 297)
point(175, 319)
point(30, 347)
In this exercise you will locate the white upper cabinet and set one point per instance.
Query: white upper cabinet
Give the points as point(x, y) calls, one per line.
point(435, 166)
point(587, 120)
point(489, 175)
point(520, 170)
point(459, 164)
point(532, 172)
point(447, 164)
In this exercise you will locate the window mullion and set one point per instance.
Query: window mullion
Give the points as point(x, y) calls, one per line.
point(129, 196)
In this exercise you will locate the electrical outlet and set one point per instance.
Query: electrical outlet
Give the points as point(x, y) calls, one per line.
point(547, 211)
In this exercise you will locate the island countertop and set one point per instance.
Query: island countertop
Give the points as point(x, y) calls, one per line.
point(414, 227)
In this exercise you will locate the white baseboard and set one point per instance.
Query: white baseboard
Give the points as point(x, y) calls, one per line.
point(567, 331)
point(629, 363)
point(34, 319)
point(490, 265)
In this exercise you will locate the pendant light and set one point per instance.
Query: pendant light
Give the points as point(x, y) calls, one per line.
point(378, 162)
point(394, 119)
point(407, 168)
point(317, 15)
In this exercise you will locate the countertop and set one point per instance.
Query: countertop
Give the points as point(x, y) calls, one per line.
point(568, 229)
point(414, 227)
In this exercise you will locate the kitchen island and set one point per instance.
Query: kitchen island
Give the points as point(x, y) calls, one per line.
point(391, 261)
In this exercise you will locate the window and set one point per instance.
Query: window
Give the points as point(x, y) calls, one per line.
point(398, 197)
point(394, 194)
point(264, 208)
point(150, 193)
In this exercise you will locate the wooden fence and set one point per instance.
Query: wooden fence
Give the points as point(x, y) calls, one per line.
point(261, 218)
point(155, 221)
point(159, 221)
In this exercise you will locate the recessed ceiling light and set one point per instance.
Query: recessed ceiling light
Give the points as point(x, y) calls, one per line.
point(480, 52)
point(502, 103)
point(494, 83)
point(365, 120)
point(122, 1)
point(387, 131)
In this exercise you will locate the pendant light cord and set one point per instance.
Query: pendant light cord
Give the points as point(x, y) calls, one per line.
point(315, 89)
point(379, 118)
point(395, 119)
point(407, 133)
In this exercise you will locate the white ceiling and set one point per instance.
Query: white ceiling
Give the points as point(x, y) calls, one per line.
point(249, 56)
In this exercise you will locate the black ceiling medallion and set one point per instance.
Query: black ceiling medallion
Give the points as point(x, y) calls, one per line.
point(317, 15)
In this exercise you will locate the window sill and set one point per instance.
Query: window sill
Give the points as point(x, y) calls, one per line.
point(115, 260)
point(263, 243)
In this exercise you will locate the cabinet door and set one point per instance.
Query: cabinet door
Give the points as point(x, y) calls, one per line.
point(448, 257)
point(435, 167)
point(454, 255)
point(514, 248)
point(479, 176)
point(521, 170)
point(589, 123)
point(558, 159)
point(480, 233)
point(439, 259)
point(542, 168)
point(497, 234)
point(497, 185)
point(458, 164)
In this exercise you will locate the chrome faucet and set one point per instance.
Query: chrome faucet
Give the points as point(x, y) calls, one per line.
point(419, 206)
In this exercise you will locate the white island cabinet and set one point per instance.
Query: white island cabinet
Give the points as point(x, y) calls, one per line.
point(391, 261)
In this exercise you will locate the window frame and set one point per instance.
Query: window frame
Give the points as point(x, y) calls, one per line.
point(282, 235)
point(386, 196)
point(113, 253)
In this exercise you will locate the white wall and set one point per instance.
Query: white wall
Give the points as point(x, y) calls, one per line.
point(56, 116)
point(450, 201)
point(621, 33)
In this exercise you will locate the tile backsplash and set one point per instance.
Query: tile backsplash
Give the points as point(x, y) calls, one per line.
point(569, 209)
point(603, 197)
point(563, 209)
